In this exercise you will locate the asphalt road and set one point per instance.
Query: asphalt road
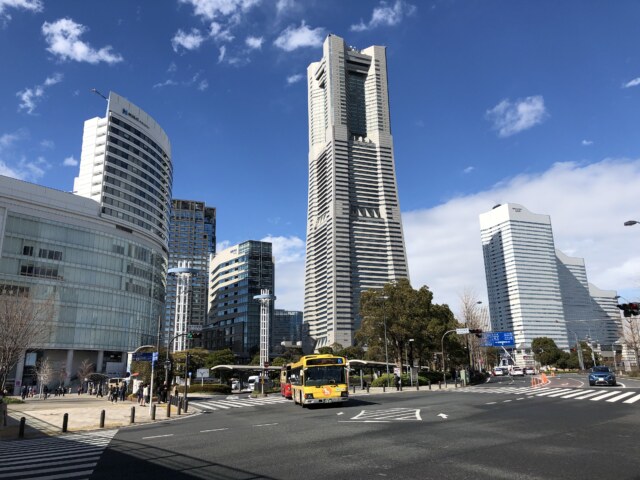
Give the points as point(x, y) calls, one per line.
point(493, 431)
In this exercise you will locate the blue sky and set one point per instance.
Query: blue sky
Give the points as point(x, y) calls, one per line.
point(536, 103)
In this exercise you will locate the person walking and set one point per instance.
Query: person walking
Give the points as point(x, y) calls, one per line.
point(145, 395)
point(23, 392)
point(140, 393)
point(397, 381)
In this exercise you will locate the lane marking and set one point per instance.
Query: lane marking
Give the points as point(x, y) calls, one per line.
point(590, 394)
point(214, 430)
point(620, 397)
point(264, 425)
point(158, 436)
point(600, 397)
point(632, 399)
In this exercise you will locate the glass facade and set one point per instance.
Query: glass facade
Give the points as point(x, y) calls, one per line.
point(237, 275)
point(192, 239)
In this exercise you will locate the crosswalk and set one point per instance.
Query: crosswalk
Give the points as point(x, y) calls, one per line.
point(235, 402)
point(72, 456)
point(595, 395)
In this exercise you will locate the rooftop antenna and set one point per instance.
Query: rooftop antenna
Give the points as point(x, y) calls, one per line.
point(98, 93)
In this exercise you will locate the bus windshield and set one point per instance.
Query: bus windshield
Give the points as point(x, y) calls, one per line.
point(324, 375)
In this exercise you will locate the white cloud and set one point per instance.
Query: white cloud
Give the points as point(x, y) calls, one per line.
point(32, 5)
point(443, 242)
point(254, 42)
point(469, 169)
point(7, 140)
point(166, 83)
point(70, 162)
point(172, 67)
point(63, 37)
point(386, 15)
point(586, 143)
point(211, 9)
point(219, 33)
point(47, 144)
point(203, 85)
point(293, 38)
point(633, 83)
point(294, 78)
point(188, 41)
point(29, 171)
point(283, 6)
point(289, 255)
point(223, 52)
point(510, 118)
point(29, 97)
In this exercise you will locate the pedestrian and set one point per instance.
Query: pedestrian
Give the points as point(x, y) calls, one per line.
point(145, 395)
point(397, 381)
point(45, 391)
point(123, 391)
point(140, 393)
point(23, 392)
point(3, 409)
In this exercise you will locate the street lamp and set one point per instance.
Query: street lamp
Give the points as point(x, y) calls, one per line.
point(384, 298)
point(444, 369)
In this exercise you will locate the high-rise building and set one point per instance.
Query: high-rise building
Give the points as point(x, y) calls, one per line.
point(125, 166)
point(192, 239)
point(237, 274)
point(286, 326)
point(536, 290)
point(355, 240)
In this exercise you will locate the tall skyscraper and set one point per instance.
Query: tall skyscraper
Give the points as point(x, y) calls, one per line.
point(125, 165)
point(355, 240)
point(536, 290)
point(237, 274)
point(192, 239)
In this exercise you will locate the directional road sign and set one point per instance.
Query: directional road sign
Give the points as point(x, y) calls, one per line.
point(498, 339)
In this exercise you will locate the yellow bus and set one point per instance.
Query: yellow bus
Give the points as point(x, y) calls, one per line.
point(319, 379)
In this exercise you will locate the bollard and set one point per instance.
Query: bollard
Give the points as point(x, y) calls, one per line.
point(21, 429)
point(354, 389)
point(384, 388)
point(132, 419)
point(179, 406)
point(102, 414)
point(65, 422)
point(168, 408)
point(429, 382)
point(439, 384)
point(153, 411)
point(417, 386)
point(186, 405)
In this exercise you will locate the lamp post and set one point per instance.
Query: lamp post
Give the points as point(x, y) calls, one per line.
point(444, 369)
point(384, 298)
point(410, 365)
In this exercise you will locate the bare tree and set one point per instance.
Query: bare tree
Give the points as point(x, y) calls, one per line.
point(631, 336)
point(44, 371)
point(85, 369)
point(24, 322)
point(472, 314)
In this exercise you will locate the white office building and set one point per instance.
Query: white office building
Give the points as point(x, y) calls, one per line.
point(536, 290)
point(355, 240)
point(125, 166)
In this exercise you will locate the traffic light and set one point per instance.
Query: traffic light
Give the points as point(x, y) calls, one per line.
point(626, 311)
point(476, 331)
point(194, 335)
point(634, 309)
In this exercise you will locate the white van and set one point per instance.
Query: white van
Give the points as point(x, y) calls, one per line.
point(252, 382)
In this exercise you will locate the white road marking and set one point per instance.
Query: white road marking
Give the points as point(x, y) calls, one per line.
point(265, 424)
point(632, 399)
point(620, 397)
point(444, 416)
point(590, 394)
point(600, 397)
point(214, 430)
point(158, 436)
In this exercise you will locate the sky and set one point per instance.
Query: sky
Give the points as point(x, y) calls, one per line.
point(501, 101)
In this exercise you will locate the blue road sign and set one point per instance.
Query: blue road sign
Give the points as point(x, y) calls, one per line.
point(498, 339)
point(144, 356)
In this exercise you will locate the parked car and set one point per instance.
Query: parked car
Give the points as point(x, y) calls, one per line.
point(497, 371)
point(529, 371)
point(517, 372)
point(601, 375)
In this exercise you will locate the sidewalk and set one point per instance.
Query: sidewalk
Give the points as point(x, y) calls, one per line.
point(45, 417)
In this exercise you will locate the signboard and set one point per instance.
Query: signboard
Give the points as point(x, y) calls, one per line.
point(462, 331)
point(202, 373)
point(144, 356)
point(498, 339)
